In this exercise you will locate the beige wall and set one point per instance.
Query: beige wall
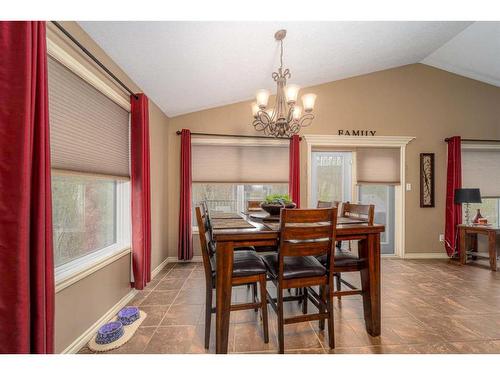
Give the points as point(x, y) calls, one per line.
point(83, 303)
point(413, 100)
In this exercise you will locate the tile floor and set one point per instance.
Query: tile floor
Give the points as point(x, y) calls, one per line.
point(429, 306)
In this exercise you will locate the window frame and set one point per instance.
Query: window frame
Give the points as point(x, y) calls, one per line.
point(72, 271)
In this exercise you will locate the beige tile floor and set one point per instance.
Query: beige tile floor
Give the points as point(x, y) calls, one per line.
point(428, 306)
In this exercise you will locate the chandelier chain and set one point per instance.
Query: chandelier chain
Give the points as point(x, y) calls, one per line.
point(281, 54)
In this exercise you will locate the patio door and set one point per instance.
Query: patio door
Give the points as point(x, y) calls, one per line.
point(331, 173)
point(383, 197)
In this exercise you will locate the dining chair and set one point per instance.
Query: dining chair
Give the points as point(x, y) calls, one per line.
point(304, 234)
point(248, 269)
point(327, 204)
point(345, 261)
point(359, 211)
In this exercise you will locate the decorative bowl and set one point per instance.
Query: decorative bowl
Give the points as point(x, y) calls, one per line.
point(274, 209)
point(128, 315)
point(109, 333)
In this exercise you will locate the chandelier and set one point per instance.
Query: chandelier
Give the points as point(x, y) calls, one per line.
point(286, 118)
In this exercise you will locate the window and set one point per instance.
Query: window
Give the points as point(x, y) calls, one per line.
point(490, 209)
point(232, 197)
point(90, 176)
point(89, 217)
point(480, 170)
point(228, 173)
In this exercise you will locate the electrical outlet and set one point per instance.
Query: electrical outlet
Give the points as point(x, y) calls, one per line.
point(441, 238)
point(408, 187)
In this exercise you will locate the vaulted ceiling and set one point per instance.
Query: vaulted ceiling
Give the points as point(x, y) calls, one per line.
point(189, 66)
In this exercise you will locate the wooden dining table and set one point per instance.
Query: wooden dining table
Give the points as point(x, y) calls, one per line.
point(267, 234)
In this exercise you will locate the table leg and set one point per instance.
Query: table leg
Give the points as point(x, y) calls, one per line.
point(223, 291)
point(370, 281)
point(463, 246)
point(492, 250)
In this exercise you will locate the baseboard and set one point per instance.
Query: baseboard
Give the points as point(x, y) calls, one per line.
point(426, 256)
point(196, 259)
point(81, 341)
point(158, 269)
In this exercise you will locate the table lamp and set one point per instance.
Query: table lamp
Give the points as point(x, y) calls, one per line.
point(467, 196)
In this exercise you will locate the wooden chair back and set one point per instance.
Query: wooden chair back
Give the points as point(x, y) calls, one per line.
point(307, 232)
point(253, 204)
point(359, 211)
point(207, 244)
point(327, 204)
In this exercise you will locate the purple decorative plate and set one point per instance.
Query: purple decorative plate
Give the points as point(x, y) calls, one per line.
point(109, 333)
point(128, 315)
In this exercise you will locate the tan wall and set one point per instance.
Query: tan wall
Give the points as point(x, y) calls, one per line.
point(413, 100)
point(83, 303)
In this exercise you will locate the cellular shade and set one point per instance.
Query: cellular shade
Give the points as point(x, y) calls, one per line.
point(481, 169)
point(378, 165)
point(247, 164)
point(88, 131)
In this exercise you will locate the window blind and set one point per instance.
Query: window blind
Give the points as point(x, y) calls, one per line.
point(378, 165)
point(88, 131)
point(481, 169)
point(245, 164)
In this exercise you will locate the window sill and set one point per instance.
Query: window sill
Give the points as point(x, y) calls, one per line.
point(66, 276)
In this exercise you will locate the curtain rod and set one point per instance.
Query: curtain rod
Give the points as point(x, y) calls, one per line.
point(236, 135)
point(89, 54)
point(476, 140)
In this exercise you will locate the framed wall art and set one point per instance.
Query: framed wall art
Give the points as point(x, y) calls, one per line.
point(426, 180)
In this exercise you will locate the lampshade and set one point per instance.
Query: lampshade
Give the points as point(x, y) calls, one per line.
point(262, 97)
point(467, 196)
point(292, 91)
point(297, 112)
point(255, 109)
point(308, 101)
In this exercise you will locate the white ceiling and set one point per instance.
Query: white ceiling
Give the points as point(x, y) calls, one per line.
point(189, 66)
point(473, 53)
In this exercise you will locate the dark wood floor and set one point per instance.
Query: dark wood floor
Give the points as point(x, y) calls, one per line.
point(429, 306)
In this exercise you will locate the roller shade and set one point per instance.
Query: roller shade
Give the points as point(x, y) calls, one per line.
point(481, 169)
point(88, 131)
point(247, 164)
point(378, 165)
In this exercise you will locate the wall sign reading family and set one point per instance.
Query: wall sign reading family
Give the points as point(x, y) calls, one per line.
point(357, 133)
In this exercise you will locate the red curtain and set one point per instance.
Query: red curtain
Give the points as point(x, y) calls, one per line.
point(26, 256)
point(294, 179)
point(453, 181)
point(185, 247)
point(141, 191)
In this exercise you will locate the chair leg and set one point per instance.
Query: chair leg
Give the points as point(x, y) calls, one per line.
point(339, 284)
point(298, 292)
point(263, 307)
point(304, 301)
point(322, 293)
point(281, 334)
point(329, 303)
point(208, 316)
point(254, 295)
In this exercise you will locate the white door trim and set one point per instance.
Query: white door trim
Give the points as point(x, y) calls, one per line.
point(321, 140)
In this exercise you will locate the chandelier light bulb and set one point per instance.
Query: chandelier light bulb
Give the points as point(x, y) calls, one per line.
point(308, 101)
point(255, 109)
point(262, 97)
point(292, 91)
